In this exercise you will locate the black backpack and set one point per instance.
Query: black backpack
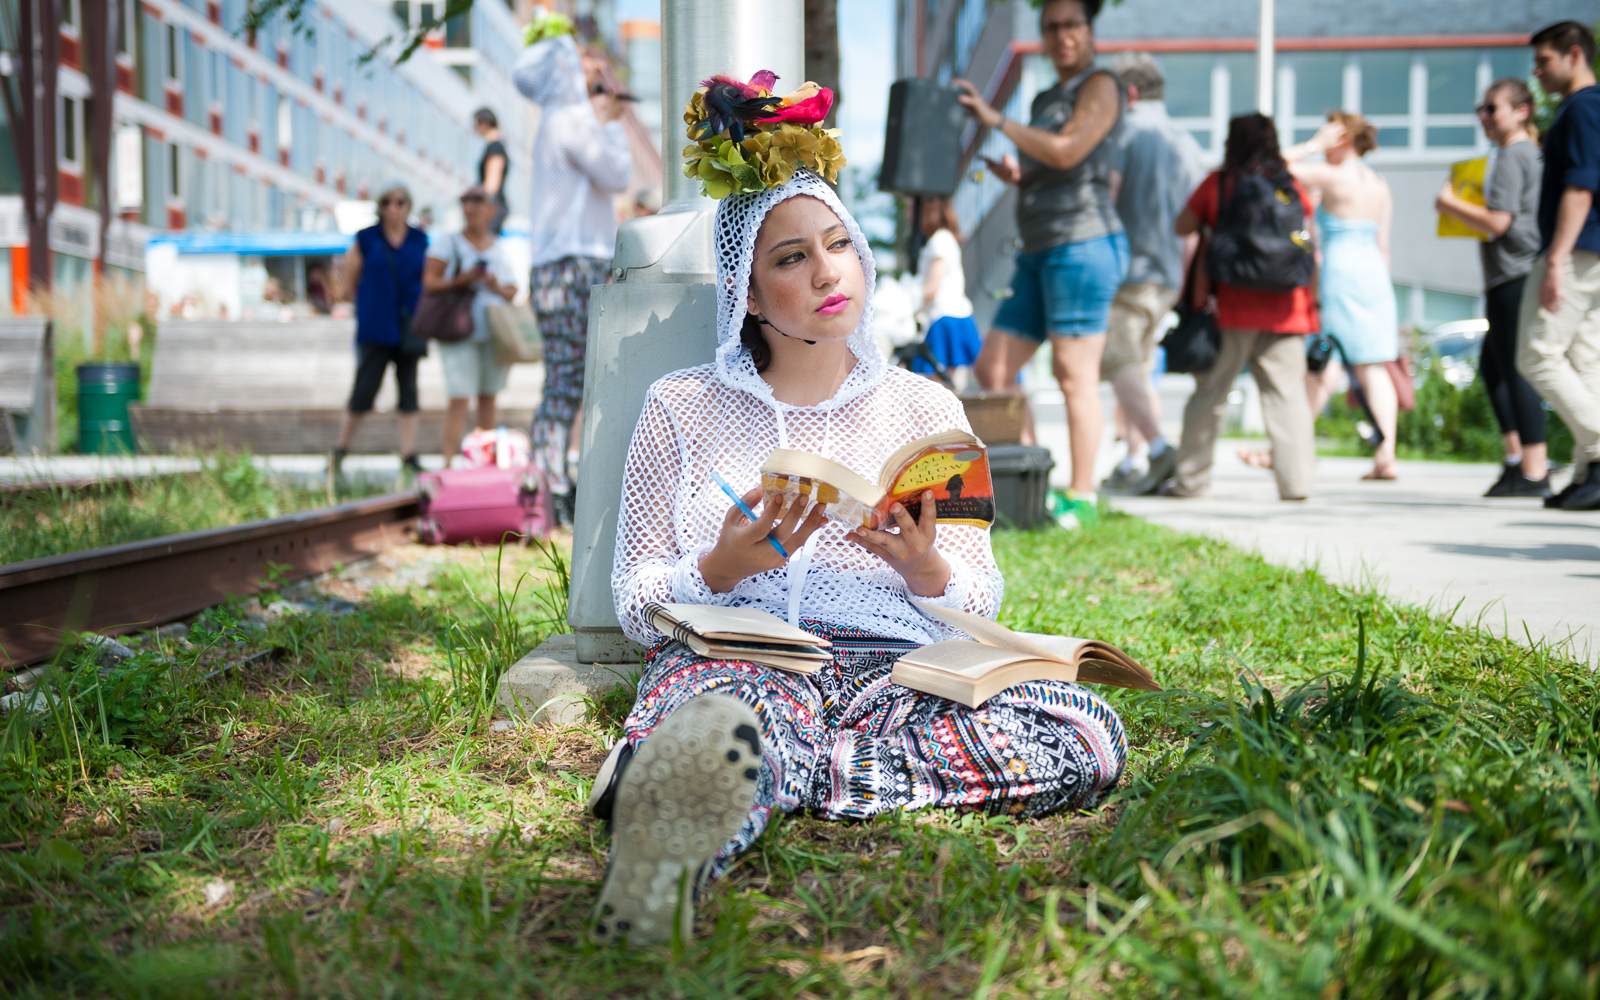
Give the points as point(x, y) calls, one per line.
point(1261, 240)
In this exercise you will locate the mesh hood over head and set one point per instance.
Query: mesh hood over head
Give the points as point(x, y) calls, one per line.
point(739, 219)
point(550, 73)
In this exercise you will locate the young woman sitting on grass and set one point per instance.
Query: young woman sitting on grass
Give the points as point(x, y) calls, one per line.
point(713, 747)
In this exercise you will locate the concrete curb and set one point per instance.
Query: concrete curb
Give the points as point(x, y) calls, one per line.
point(550, 685)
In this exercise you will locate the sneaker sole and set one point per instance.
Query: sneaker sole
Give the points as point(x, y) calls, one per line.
point(687, 792)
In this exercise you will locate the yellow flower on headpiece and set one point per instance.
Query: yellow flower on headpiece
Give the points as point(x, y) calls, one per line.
point(695, 112)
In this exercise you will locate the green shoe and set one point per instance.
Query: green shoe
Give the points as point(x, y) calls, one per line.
point(1073, 510)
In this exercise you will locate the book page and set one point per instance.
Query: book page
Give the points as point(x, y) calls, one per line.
point(966, 659)
point(995, 634)
point(788, 462)
point(711, 621)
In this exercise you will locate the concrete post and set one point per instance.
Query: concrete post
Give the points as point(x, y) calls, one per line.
point(660, 313)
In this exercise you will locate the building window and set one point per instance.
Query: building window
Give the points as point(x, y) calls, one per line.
point(70, 136)
point(174, 172)
point(174, 61)
point(70, 16)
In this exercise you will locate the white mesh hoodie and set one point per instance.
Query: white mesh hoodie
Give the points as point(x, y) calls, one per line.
point(722, 416)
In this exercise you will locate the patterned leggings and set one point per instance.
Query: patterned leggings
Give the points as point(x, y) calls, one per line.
point(560, 298)
point(848, 744)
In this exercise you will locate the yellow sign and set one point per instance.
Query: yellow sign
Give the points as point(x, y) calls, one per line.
point(1466, 178)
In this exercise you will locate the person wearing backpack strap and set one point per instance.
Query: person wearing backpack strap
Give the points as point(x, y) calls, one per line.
point(1255, 219)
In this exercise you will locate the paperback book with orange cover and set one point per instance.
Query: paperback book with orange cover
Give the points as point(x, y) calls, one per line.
point(953, 464)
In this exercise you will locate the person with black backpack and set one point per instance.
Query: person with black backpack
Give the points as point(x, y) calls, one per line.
point(1255, 222)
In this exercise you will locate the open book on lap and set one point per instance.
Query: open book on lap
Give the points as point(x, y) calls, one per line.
point(953, 464)
point(747, 634)
point(974, 672)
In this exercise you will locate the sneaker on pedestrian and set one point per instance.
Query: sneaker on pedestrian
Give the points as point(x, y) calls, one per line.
point(1162, 468)
point(1557, 501)
point(1586, 495)
point(1123, 478)
point(1073, 510)
point(336, 457)
point(1171, 489)
point(1503, 486)
point(1522, 486)
point(410, 466)
point(687, 791)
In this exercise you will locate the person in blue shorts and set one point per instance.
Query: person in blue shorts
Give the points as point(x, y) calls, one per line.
point(1074, 251)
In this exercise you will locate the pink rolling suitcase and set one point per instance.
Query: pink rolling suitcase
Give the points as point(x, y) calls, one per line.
point(482, 505)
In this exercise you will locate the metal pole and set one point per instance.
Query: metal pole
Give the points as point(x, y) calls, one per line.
point(700, 38)
point(1266, 61)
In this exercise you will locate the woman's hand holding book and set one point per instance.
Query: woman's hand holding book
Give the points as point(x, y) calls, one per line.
point(912, 551)
point(742, 548)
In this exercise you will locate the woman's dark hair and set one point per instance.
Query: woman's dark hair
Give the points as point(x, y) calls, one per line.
point(1252, 146)
point(1091, 8)
point(1516, 90)
point(941, 214)
point(485, 118)
point(751, 337)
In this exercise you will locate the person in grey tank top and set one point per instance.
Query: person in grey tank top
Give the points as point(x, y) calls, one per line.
point(1509, 219)
point(1074, 251)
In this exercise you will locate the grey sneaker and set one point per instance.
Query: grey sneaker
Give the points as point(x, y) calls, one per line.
point(1162, 468)
point(687, 791)
point(1121, 481)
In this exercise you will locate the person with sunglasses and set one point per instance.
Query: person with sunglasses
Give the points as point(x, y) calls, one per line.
point(1509, 220)
point(384, 267)
point(1074, 250)
point(472, 258)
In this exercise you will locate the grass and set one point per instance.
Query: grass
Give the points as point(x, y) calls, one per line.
point(228, 489)
point(1337, 797)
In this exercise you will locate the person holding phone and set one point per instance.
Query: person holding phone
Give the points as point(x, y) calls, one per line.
point(1074, 251)
point(471, 258)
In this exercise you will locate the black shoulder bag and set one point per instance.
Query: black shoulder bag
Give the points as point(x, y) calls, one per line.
point(411, 345)
point(1193, 345)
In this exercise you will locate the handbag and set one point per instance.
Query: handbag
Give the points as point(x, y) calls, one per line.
point(411, 345)
point(446, 316)
point(516, 334)
point(1193, 344)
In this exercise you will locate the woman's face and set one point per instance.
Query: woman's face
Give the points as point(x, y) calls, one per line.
point(1499, 117)
point(806, 279)
point(393, 206)
point(476, 210)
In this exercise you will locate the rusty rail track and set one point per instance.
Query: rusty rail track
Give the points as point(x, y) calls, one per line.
point(139, 585)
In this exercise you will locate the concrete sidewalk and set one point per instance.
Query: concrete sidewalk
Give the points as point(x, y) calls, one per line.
point(1430, 538)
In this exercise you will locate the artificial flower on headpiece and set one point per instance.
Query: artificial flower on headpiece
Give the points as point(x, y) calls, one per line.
point(746, 138)
point(551, 24)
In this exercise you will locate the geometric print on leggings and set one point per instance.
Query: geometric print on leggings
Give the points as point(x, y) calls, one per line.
point(846, 743)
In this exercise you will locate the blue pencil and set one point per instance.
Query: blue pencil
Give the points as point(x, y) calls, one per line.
point(745, 509)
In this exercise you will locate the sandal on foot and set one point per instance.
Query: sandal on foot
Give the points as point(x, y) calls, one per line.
point(1256, 458)
point(685, 793)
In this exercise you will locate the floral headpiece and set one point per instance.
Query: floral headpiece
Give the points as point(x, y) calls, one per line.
point(551, 24)
point(744, 138)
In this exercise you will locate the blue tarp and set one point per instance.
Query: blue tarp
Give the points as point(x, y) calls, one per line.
point(272, 243)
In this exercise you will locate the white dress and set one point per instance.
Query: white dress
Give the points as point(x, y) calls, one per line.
point(723, 417)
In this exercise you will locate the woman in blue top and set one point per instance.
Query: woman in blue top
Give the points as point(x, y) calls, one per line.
point(384, 266)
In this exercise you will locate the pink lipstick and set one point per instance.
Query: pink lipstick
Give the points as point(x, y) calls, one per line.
point(833, 304)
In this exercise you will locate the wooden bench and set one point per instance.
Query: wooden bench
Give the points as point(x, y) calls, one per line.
point(27, 385)
point(281, 388)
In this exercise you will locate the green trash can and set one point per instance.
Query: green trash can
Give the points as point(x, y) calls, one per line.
point(104, 392)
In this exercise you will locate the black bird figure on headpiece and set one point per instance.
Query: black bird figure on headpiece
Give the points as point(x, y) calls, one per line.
point(731, 105)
